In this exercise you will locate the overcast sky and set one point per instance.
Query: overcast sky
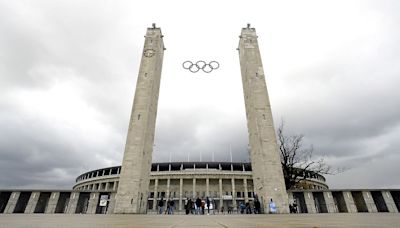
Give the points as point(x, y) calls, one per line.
point(68, 71)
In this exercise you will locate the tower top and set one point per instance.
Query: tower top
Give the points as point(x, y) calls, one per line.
point(154, 27)
point(154, 30)
point(248, 27)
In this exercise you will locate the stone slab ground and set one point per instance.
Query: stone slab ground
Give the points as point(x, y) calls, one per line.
point(380, 220)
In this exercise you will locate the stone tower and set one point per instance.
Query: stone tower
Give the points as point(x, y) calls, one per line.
point(265, 159)
point(134, 180)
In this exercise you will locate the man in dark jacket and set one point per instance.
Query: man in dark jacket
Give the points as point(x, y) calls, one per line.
point(188, 206)
point(161, 205)
point(257, 207)
point(171, 207)
point(198, 205)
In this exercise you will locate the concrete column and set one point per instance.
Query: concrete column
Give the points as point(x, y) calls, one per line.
point(111, 203)
point(168, 186)
point(104, 171)
point(290, 197)
point(233, 194)
point(389, 202)
point(348, 198)
point(194, 188)
point(369, 201)
point(309, 198)
point(267, 172)
point(109, 172)
point(51, 205)
point(330, 204)
point(30, 207)
point(94, 198)
point(246, 194)
point(107, 183)
point(180, 193)
point(155, 194)
point(115, 186)
point(208, 187)
point(221, 201)
point(12, 202)
point(73, 201)
point(118, 171)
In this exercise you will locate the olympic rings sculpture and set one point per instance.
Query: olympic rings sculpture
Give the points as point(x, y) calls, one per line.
point(200, 65)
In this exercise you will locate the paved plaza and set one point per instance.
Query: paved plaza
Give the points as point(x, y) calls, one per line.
point(300, 220)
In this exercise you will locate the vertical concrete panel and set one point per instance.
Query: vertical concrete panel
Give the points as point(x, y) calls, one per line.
point(94, 198)
point(369, 201)
point(180, 193)
point(73, 201)
point(246, 194)
point(389, 202)
point(330, 204)
point(12, 202)
point(233, 195)
point(30, 207)
point(51, 206)
point(155, 198)
point(111, 203)
point(348, 198)
point(290, 197)
point(308, 197)
point(221, 201)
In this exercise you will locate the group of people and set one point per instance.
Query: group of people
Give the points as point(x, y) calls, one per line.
point(250, 207)
point(170, 206)
point(198, 206)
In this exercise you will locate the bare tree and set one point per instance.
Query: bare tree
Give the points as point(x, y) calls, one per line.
point(296, 160)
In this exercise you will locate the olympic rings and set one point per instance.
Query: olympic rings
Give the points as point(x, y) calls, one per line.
point(200, 65)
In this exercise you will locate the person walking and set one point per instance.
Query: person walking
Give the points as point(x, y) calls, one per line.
point(161, 206)
point(257, 207)
point(193, 207)
point(242, 207)
point(248, 210)
point(203, 205)
point(188, 206)
point(272, 207)
point(171, 207)
point(198, 205)
point(168, 203)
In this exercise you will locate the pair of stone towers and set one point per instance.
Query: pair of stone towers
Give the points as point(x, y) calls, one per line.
point(134, 180)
